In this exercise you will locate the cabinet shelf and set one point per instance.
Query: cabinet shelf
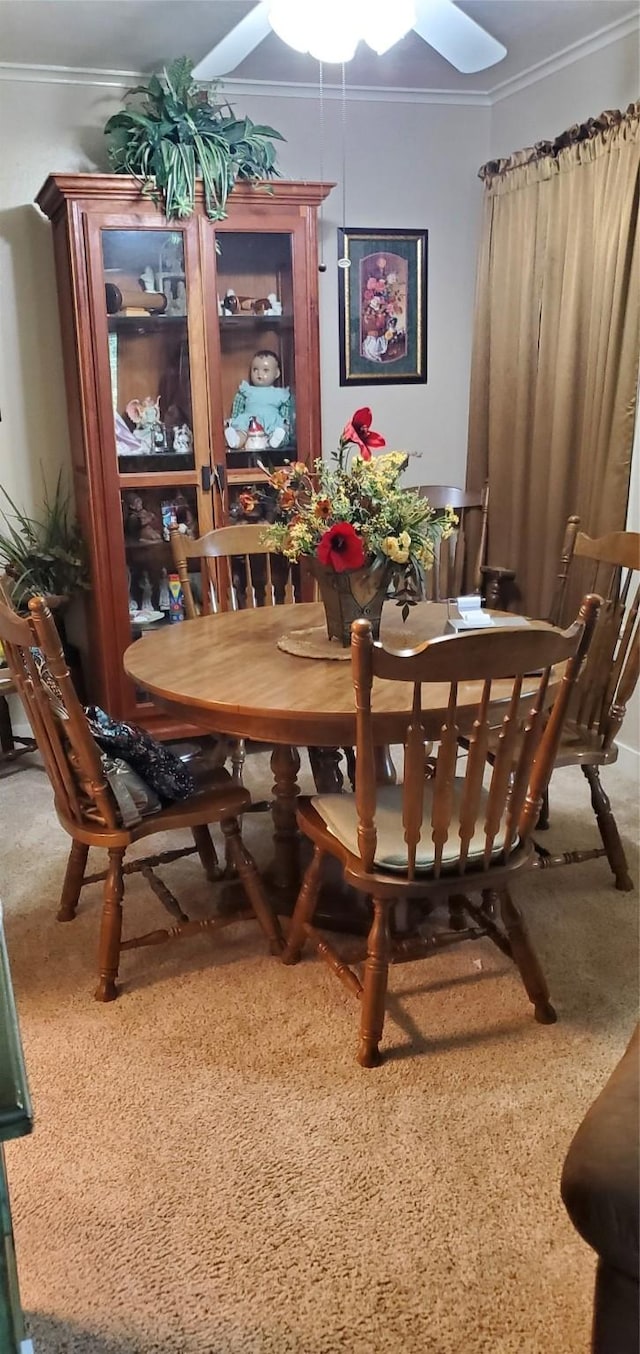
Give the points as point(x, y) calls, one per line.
point(249, 476)
point(145, 324)
point(247, 320)
point(145, 545)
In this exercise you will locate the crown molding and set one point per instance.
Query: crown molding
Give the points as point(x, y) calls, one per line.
point(116, 79)
point(359, 93)
point(614, 32)
point(111, 79)
point(69, 75)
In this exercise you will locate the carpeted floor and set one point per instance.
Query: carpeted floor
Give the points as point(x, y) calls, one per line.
point(212, 1173)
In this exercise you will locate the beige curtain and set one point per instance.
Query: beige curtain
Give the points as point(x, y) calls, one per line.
point(556, 344)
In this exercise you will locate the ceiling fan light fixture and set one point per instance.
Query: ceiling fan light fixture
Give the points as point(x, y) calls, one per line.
point(385, 22)
point(330, 33)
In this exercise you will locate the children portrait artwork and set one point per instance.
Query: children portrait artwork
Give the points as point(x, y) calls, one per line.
point(383, 306)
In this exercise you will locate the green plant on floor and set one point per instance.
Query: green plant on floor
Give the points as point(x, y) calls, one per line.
point(43, 555)
point(179, 131)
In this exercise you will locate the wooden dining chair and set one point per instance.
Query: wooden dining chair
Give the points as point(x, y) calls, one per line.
point(237, 568)
point(439, 838)
point(609, 565)
point(87, 808)
point(460, 564)
point(228, 558)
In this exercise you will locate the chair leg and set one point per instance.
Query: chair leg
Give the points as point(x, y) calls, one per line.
point(350, 759)
point(542, 824)
point(526, 960)
point(374, 988)
point(386, 773)
point(252, 883)
point(238, 758)
point(6, 732)
point(325, 769)
point(608, 830)
point(73, 879)
point(207, 853)
point(304, 908)
point(111, 928)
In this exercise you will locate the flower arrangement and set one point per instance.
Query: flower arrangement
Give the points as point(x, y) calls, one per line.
point(352, 514)
point(384, 303)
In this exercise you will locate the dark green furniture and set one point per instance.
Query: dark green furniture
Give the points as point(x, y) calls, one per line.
point(15, 1120)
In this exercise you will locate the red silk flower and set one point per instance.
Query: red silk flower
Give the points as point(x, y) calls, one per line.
point(360, 432)
point(341, 548)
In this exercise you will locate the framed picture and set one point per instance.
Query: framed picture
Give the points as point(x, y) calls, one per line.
point(383, 307)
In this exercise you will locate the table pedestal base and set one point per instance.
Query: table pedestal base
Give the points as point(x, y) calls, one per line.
point(340, 908)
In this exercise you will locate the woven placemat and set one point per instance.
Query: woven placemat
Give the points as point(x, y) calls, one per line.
point(313, 643)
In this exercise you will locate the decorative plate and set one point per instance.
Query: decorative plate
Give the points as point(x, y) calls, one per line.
point(146, 617)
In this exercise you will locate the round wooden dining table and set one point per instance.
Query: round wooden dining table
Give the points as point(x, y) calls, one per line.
point(226, 673)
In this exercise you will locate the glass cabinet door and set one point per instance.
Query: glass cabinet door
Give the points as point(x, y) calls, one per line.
point(156, 463)
point(146, 300)
point(257, 347)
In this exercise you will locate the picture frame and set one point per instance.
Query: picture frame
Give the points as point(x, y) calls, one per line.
point(382, 300)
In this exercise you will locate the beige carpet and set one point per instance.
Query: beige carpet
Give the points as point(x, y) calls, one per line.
point(212, 1173)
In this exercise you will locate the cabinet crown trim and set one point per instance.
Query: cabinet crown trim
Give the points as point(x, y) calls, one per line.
point(125, 189)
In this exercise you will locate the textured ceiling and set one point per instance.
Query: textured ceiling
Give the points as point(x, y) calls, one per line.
point(140, 35)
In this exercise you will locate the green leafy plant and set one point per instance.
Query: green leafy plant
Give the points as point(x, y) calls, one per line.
point(176, 131)
point(45, 555)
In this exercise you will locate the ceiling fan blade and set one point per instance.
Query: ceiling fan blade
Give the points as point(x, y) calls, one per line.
point(232, 50)
point(459, 39)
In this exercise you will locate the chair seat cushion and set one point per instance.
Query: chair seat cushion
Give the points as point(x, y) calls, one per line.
point(340, 815)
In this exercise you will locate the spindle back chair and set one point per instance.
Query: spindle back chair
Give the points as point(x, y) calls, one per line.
point(232, 576)
point(610, 565)
point(441, 836)
point(229, 556)
point(87, 807)
point(452, 569)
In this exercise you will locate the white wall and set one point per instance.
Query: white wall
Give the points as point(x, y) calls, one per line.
point(608, 78)
point(411, 165)
point(408, 164)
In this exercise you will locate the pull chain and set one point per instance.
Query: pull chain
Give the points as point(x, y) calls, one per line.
point(344, 262)
point(322, 267)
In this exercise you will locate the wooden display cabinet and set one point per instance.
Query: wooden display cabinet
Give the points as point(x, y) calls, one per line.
point(154, 349)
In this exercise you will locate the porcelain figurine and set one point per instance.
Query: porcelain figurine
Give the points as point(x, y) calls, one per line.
point(183, 440)
point(139, 524)
point(149, 426)
point(164, 596)
point(147, 279)
point(133, 605)
point(147, 593)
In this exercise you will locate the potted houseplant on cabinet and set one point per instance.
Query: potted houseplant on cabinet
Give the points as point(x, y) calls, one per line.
point(175, 131)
